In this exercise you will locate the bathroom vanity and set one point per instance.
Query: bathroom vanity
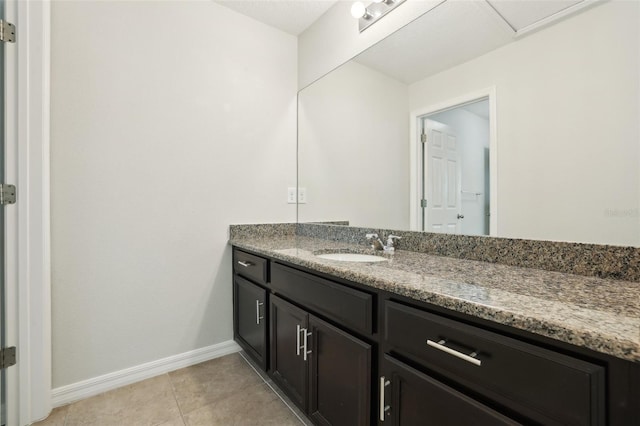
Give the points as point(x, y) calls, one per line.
point(420, 339)
point(455, 329)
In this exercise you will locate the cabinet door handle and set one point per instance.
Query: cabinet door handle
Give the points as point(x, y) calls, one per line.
point(245, 264)
point(258, 317)
point(304, 343)
point(298, 339)
point(441, 346)
point(383, 408)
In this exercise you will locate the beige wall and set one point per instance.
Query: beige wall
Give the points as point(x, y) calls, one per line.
point(567, 116)
point(170, 120)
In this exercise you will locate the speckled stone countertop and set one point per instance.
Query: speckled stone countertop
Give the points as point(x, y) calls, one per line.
point(599, 314)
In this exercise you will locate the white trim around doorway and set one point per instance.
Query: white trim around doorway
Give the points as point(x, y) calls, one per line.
point(28, 272)
point(414, 143)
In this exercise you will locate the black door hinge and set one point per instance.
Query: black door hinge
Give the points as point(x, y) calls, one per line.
point(7, 357)
point(7, 32)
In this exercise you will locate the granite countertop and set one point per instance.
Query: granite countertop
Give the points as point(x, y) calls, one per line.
point(599, 314)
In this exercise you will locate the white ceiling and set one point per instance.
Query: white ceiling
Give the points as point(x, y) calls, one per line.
point(455, 32)
point(452, 33)
point(291, 16)
point(295, 16)
point(522, 13)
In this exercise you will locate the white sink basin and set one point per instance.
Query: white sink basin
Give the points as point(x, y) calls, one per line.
point(351, 257)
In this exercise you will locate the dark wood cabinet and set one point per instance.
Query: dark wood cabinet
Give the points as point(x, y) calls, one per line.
point(351, 308)
point(251, 319)
point(340, 376)
point(323, 369)
point(250, 266)
point(348, 354)
point(412, 398)
point(288, 364)
point(545, 386)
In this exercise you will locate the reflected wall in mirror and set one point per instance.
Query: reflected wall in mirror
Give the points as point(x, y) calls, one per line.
point(562, 159)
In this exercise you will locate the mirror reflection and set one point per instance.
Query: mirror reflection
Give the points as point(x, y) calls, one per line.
point(454, 171)
point(484, 118)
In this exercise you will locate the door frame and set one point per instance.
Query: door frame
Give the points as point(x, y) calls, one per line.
point(415, 188)
point(28, 271)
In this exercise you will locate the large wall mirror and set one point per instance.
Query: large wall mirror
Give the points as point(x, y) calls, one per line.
point(476, 119)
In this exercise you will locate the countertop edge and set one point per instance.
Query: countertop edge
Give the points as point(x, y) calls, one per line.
point(606, 344)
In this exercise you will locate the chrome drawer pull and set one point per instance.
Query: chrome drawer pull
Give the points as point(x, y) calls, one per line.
point(469, 358)
point(245, 264)
point(383, 408)
point(258, 317)
point(304, 344)
point(298, 339)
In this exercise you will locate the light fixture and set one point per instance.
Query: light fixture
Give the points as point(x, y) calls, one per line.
point(359, 11)
point(366, 16)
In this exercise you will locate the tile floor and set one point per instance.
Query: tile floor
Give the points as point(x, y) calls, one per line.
point(223, 391)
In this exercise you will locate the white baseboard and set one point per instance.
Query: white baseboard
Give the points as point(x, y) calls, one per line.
point(86, 388)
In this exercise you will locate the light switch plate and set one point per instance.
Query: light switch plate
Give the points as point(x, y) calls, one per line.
point(302, 195)
point(291, 195)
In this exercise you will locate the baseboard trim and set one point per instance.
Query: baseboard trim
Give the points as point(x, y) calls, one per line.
point(86, 388)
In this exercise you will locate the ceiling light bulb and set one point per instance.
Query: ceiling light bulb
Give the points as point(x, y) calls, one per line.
point(358, 10)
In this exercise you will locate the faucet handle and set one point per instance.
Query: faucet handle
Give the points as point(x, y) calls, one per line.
point(392, 240)
point(376, 244)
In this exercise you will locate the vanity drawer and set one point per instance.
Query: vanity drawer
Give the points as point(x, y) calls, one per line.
point(543, 385)
point(250, 266)
point(346, 306)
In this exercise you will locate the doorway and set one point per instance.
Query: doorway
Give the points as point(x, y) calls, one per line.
point(454, 173)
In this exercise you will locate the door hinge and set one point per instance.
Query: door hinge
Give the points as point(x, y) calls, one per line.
point(423, 203)
point(7, 31)
point(7, 194)
point(7, 357)
point(423, 138)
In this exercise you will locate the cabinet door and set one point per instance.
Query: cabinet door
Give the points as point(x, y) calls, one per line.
point(250, 322)
point(340, 376)
point(288, 366)
point(542, 385)
point(411, 398)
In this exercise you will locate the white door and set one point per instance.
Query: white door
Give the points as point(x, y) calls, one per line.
point(441, 179)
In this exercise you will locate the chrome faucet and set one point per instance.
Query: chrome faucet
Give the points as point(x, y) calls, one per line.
point(377, 244)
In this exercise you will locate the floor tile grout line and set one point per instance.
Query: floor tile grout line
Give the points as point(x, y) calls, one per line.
point(66, 415)
point(252, 367)
point(272, 389)
point(180, 409)
point(231, 395)
point(285, 403)
point(175, 397)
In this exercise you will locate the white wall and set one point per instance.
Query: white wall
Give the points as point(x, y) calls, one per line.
point(170, 121)
point(366, 183)
point(334, 38)
point(472, 136)
point(568, 150)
